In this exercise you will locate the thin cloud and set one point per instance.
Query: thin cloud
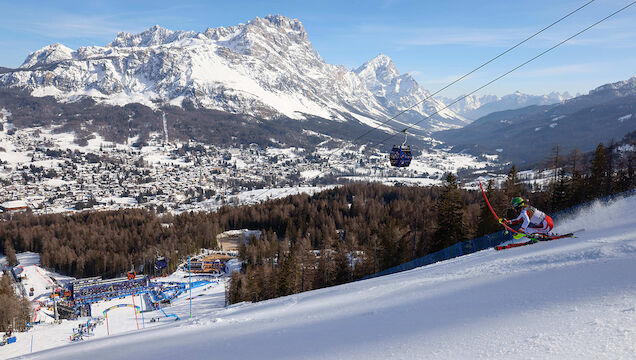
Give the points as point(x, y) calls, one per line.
point(443, 80)
point(605, 39)
point(70, 26)
point(418, 36)
point(559, 70)
point(76, 25)
point(617, 33)
point(436, 83)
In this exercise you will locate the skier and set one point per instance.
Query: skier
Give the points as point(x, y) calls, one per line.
point(533, 221)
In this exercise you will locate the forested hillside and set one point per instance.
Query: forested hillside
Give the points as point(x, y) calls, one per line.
point(107, 243)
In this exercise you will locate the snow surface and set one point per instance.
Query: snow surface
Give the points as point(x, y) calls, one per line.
point(566, 299)
point(42, 281)
point(258, 195)
point(46, 334)
point(626, 117)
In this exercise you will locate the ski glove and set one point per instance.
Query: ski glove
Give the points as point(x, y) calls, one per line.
point(503, 221)
point(518, 236)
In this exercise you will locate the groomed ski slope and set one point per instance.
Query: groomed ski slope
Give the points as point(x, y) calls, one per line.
point(566, 299)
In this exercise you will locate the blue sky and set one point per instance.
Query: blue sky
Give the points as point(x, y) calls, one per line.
point(435, 41)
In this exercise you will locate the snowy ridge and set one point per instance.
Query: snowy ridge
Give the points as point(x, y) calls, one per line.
point(398, 92)
point(474, 106)
point(265, 68)
point(570, 298)
point(621, 88)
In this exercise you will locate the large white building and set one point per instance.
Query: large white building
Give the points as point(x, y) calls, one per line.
point(15, 205)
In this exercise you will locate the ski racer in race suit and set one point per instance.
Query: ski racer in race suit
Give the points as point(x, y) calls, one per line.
point(533, 221)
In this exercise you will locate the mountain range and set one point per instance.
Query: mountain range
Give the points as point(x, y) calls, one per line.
point(473, 107)
point(527, 135)
point(263, 82)
point(266, 69)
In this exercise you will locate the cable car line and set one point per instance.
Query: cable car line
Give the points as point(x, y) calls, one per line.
point(430, 96)
point(490, 82)
point(516, 67)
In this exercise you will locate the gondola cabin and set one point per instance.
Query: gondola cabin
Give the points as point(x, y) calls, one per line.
point(400, 156)
point(161, 263)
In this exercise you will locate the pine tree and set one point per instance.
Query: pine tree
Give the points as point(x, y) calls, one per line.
point(254, 284)
point(631, 176)
point(559, 193)
point(287, 276)
point(388, 235)
point(15, 310)
point(450, 208)
point(556, 162)
point(307, 262)
point(9, 251)
point(608, 183)
point(325, 272)
point(577, 188)
point(625, 173)
point(236, 288)
point(512, 184)
point(598, 173)
point(372, 251)
point(342, 264)
point(487, 223)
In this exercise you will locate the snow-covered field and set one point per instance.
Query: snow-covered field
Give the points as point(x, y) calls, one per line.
point(259, 195)
point(40, 280)
point(566, 299)
point(47, 334)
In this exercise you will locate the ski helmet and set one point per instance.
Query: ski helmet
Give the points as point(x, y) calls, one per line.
point(517, 202)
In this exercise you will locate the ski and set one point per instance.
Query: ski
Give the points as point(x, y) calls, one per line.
point(513, 245)
point(534, 240)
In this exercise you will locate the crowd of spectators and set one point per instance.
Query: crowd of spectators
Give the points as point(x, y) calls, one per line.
point(109, 290)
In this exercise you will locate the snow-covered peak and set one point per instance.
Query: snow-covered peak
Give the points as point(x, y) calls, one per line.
point(292, 28)
point(48, 55)
point(273, 35)
point(622, 88)
point(380, 69)
point(474, 107)
point(400, 92)
point(155, 35)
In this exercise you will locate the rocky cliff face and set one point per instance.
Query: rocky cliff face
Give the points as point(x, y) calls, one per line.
point(266, 68)
point(399, 92)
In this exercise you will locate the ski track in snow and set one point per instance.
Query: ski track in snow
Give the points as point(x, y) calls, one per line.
point(565, 299)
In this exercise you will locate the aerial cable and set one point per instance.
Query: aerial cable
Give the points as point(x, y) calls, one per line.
point(517, 67)
point(492, 81)
point(465, 75)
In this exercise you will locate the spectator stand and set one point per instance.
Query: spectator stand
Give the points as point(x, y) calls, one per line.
point(99, 290)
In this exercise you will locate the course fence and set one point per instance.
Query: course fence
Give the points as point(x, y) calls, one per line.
point(487, 241)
